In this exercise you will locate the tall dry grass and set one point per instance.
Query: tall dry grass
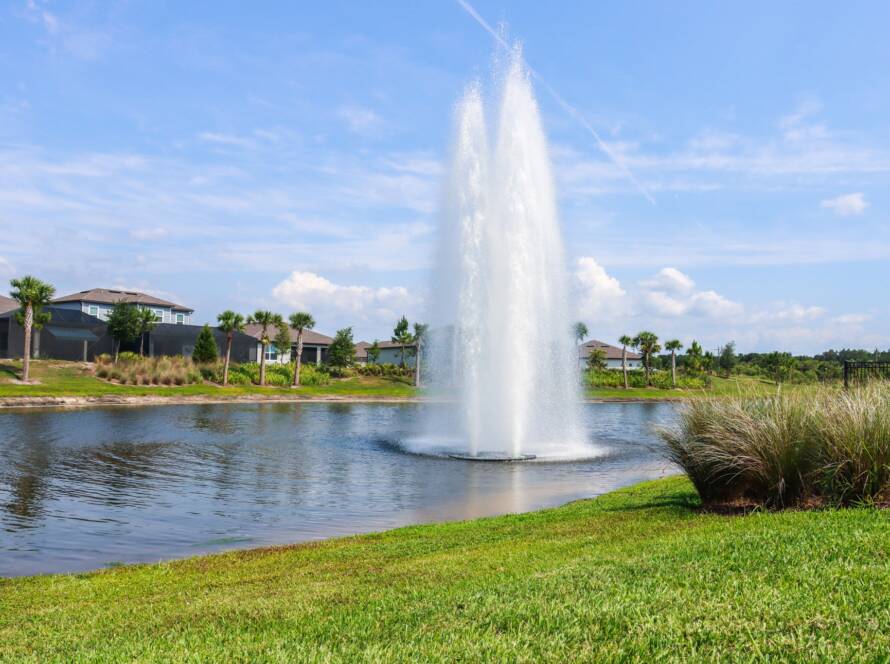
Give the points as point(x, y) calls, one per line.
point(131, 369)
point(825, 445)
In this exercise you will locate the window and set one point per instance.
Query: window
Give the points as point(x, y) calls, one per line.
point(159, 315)
point(271, 353)
point(93, 310)
point(180, 319)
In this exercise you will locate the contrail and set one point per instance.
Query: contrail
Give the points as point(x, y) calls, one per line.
point(566, 106)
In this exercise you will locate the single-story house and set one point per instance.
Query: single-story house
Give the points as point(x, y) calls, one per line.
point(613, 355)
point(361, 352)
point(7, 305)
point(98, 302)
point(391, 353)
point(74, 335)
point(315, 346)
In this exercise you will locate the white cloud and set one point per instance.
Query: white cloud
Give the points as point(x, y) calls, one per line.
point(359, 119)
point(671, 293)
point(847, 204)
point(149, 233)
point(669, 279)
point(336, 305)
point(599, 294)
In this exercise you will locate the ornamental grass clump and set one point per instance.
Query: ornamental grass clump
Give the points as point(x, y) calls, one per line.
point(824, 446)
point(130, 369)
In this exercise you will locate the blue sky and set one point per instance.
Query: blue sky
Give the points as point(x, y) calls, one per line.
point(291, 156)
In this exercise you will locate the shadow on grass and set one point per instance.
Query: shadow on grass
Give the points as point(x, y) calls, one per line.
point(689, 502)
point(9, 370)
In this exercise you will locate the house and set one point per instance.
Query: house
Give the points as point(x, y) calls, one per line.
point(361, 352)
point(99, 302)
point(69, 335)
point(7, 305)
point(391, 353)
point(613, 355)
point(315, 346)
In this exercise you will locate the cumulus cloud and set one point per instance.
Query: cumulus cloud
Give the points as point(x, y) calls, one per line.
point(847, 204)
point(671, 293)
point(344, 305)
point(598, 292)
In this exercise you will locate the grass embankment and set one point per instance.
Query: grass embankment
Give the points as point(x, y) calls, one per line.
point(637, 575)
point(73, 379)
point(735, 385)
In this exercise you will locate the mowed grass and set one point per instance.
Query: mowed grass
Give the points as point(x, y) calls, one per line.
point(636, 575)
point(73, 379)
point(733, 386)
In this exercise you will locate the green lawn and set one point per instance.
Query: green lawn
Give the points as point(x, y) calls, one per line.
point(637, 575)
point(58, 379)
point(719, 386)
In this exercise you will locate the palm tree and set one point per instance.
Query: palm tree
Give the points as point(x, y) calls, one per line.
point(580, 330)
point(266, 320)
point(648, 344)
point(32, 294)
point(146, 319)
point(420, 330)
point(625, 340)
point(673, 345)
point(401, 335)
point(229, 323)
point(300, 321)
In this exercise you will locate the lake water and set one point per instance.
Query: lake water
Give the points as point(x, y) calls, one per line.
point(91, 488)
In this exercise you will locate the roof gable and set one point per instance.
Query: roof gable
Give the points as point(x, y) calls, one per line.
point(112, 296)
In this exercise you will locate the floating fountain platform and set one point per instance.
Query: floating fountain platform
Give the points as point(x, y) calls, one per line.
point(492, 457)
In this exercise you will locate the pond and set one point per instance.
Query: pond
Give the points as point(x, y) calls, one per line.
point(85, 489)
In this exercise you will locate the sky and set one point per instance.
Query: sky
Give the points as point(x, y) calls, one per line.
point(292, 155)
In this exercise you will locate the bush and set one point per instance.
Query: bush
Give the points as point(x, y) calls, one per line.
point(134, 370)
point(637, 378)
point(778, 451)
point(205, 350)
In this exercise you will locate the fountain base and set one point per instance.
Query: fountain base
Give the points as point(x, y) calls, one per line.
point(492, 457)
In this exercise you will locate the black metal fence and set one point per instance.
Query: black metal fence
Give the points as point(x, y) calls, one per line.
point(862, 372)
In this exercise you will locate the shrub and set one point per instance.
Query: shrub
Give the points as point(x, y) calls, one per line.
point(134, 370)
point(782, 450)
point(127, 357)
point(313, 375)
point(205, 350)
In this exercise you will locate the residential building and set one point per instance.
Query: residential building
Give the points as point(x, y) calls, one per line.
point(99, 302)
point(315, 346)
point(391, 353)
point(613, 355)
point(361, 352)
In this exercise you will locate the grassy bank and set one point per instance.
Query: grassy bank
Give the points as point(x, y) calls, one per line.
point(73, 379)
point(636, 575)
point(746, 385)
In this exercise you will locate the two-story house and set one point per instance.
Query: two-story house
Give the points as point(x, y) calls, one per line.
point(98, 302)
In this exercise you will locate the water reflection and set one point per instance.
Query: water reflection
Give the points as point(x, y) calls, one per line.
point(79, 490)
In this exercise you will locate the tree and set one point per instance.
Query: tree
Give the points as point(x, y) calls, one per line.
point(596, 359)
point(266, 320)
point(420, 330)
point(374, 352)
point(648, 344)
point(401, 335)
point(32, 294)
point(727, 359)
point(123, 324)
point(282, 339)
point(625, 340)
point(146, 319)
point(780, 366)
point(673, 345)
point(580, 330)
point(229, 323)
point(707, 362)
point(693, 360)
point(205, 350)
point(300, 321)
point(341, 352)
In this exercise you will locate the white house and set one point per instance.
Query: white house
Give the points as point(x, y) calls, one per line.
point(315, 346)
point(613, 355)
point(98, 302)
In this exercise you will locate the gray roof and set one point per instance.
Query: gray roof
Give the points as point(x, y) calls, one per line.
point(310, 337)
point(361, 350)
point(612, 352)
point(7, 304)
point(111, 296)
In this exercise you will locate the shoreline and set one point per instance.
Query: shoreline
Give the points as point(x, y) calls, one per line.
point(78, 402)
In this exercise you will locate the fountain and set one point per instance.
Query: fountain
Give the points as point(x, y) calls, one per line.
point(504, 343)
